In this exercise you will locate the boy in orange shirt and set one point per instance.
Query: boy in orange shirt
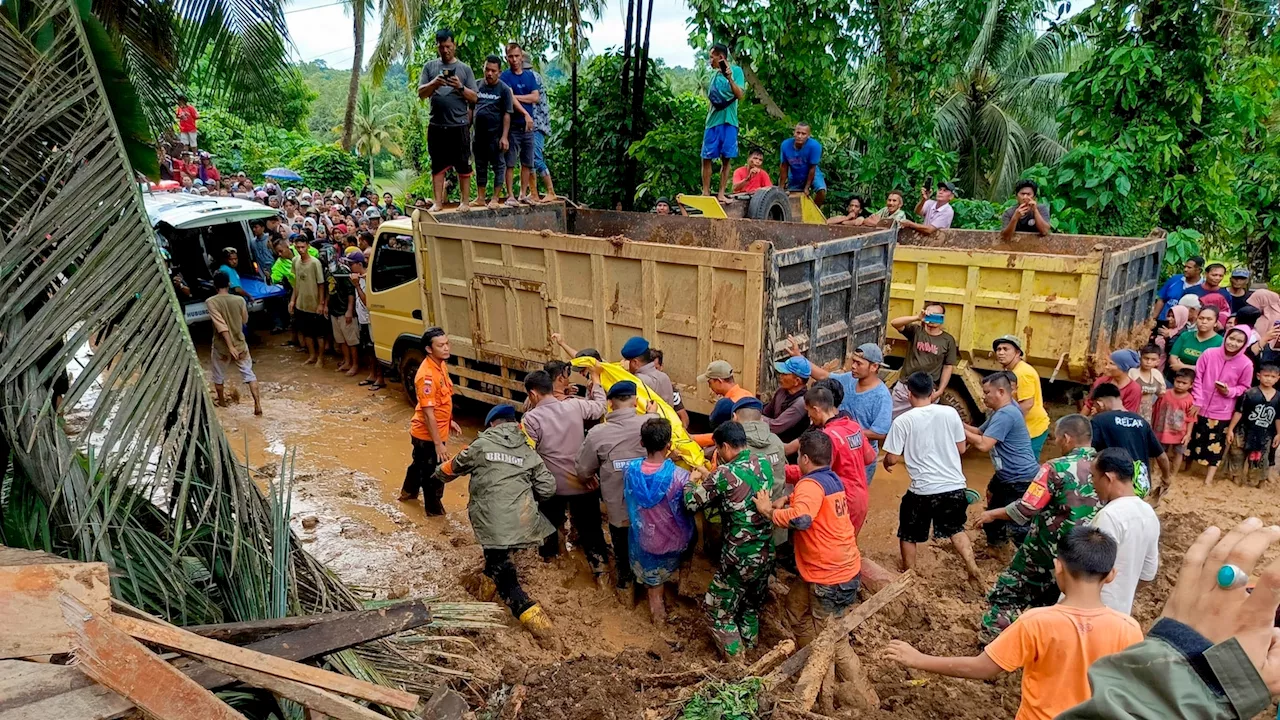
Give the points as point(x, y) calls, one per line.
point(826, 551)
point(1053, 645)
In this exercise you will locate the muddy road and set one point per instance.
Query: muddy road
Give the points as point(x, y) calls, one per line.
point(350, 447)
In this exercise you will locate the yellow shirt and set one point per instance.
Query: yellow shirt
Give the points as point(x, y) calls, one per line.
point(1029, 388)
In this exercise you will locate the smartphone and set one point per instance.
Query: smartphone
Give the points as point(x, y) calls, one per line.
point(724, 66)
point(447, 72)
point(928, 184)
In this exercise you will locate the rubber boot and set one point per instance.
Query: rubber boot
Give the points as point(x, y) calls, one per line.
point(539, 626)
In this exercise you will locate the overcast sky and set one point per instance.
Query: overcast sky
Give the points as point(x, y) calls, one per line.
point(321, 30)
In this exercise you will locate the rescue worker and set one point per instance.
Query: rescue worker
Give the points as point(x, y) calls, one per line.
point(852, 452)
point(738, 589)
point(604, 454)
point(508, 479)
point(638, 359)
point(432, 421)
point(720, 381)
point(1061, 496)
point(768, 449)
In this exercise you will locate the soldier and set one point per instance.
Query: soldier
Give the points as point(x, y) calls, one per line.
point(739, 587)
point(767, 448)
point(1060, 496)
point(508, 479)
point(608, 448)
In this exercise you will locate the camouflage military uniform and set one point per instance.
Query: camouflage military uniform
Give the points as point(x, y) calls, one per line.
point(738, 590)
point(1060, 496)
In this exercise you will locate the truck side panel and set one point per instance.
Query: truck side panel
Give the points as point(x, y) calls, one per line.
point(1048, 300)
point(501, 293)
point(1130, 281)
point(831, 297)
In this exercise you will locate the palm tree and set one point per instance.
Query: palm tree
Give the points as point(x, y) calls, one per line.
point(999, 111)
point(359, 10)
point(375, 127)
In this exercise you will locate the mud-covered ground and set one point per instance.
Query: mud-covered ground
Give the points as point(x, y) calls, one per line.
point(349, 448)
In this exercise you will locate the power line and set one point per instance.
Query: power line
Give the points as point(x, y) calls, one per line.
point(313, 7)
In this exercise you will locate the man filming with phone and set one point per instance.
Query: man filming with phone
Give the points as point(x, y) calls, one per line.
point(451, 86)
point(720, 138)
point(937, 213)
point(1027, 216)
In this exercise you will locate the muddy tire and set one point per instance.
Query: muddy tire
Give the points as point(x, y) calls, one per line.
point(769, 204)
point(408, 369)
point(956, 399)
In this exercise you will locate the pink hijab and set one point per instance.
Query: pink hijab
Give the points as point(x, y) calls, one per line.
point(1215, 300)
point(1269, 303)
point(1181, 315)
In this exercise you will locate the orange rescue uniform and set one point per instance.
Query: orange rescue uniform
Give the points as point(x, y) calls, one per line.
point(434, 390)
point(825, 543)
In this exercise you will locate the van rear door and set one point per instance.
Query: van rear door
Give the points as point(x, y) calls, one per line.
point(393, 292)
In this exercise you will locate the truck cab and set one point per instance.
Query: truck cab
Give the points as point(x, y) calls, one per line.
point(394, 297)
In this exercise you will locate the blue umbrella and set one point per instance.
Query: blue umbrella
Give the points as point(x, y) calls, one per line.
point(282, 173)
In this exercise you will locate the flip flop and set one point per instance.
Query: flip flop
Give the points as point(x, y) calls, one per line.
point(376, 386)
point(365, 382)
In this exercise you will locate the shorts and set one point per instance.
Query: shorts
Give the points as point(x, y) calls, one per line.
point(946, 511)
point(796, 184)
point(344, 333)
point(720, 141)
point(366, 337)
point(539, 156)
point(312, 325)
point(219, 364)
point(449, 147)
point(488, 155)
point(519, 148)
point(188, 138)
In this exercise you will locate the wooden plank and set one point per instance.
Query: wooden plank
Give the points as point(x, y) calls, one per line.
point(244, 632)
point(37, 691)
point(313, 698)
point(17, 556)
point(190, 643)
point(30, 592)
point(847, 624)
point(117, 661)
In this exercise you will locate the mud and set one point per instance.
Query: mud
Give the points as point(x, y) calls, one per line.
point(349, 448)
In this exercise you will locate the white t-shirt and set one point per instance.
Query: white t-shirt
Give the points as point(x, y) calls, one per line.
point(362, 311)
point(1132, 523)
point(926, 439)
point(937, 216)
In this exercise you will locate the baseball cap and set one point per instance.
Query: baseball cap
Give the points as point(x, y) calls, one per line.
point(717, 370)
point(797, 366)
point(950, 186)
point(1011, 339)
point(622, 388)
point(355, 257)
point(1240, 273)
point(871, 352)
point(500, 412)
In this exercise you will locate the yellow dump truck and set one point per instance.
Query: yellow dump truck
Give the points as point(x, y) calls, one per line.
point(700, 289)
point(1068, 297)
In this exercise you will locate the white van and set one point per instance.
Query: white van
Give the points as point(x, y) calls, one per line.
point(195, 229)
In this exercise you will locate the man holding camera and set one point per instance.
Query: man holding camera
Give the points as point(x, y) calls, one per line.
point(720, 139)
point(451, 86)
point(1027, 216)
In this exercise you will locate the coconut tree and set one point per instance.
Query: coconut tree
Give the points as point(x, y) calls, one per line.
point(375, 127)
point(999, 109)
point(359, 10)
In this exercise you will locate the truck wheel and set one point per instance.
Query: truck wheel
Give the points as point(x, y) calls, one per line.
point(956, 399)
point(769, 204)
point(408, 368)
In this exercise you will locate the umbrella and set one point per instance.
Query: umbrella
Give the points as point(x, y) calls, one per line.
point(282, 173)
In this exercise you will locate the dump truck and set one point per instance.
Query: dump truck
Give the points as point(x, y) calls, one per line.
point(501, 282)
point(1069, 298)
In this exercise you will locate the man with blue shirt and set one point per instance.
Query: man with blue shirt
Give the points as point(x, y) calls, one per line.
point(798, 170)
point(866, 397)
point(524, 86)
point(1005, 436)
point(720, 138)
point(1177, 286)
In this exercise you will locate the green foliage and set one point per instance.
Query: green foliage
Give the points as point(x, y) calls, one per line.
point(726, 701)
point(978, 214)
point(238, 146)
point(667, 163)
point(328, 166)
point(1180, 245)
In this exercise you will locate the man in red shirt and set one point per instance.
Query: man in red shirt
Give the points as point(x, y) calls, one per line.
point(432, 421)
point(187, 117)
point(751, 177)
point(851, 453)
point(826, 552)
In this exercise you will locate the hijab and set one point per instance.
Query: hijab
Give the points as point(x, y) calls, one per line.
point(1269, 303)
point(1215, 300)
point(1181, 316)
point(1126, 359)
point(1243, 330)
point(1190, 301)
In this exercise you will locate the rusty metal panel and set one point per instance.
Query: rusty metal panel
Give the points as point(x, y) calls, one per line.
point(832, 296)
point(1127, 291)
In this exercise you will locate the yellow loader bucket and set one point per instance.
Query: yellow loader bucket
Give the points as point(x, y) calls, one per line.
point(706, 204)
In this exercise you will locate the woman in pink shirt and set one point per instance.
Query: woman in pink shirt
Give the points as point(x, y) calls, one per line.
point(1222, 374)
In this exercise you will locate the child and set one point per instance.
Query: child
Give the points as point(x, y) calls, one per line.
point(1170, 419)
point(1053, 645)
point(1258, 407)
point(661, 527)
point(1149, 379)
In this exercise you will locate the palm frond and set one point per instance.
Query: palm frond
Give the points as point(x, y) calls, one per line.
point(1001, 134)
point(952, 121)
point(988, 32)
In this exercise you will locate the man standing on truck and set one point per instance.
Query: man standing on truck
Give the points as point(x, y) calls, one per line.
point(492, 128)
point(866, 398)
point(1004, 435)
point(1027, 216)
point(451, 86)
point(720, 136)
point(937, 214)
point(432, 421)
point(930, 349)
point(798, 170)
point(1008, 350)
point(526, 91)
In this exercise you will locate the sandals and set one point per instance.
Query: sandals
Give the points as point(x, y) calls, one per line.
point(362, 383)
point(376, 386)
